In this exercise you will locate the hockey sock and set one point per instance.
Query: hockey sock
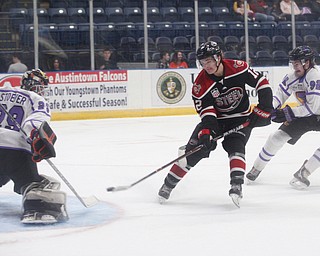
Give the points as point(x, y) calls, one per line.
point(175, 174)
point(314, 162)
point(237, 168)
point(274, 143)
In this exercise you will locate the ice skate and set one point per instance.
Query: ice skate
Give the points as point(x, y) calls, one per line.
point(164, 193)
point(33, 217)
point(300, 180)
point(252, 175)
point(236, 194)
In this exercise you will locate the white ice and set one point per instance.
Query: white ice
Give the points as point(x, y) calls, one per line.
point(199, 219)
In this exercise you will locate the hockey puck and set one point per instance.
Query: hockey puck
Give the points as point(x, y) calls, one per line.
point(110, 189)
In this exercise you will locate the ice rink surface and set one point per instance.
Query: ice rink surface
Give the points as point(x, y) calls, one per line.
point(199, 219)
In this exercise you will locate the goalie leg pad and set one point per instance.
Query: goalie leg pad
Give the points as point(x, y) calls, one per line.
point(44, 203)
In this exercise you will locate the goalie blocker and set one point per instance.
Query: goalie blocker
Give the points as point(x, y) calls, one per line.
point(42, 142)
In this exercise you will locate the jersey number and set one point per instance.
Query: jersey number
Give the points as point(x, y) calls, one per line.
point(16, 112)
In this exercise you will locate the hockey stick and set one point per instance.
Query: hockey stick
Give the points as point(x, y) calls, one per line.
point(88, 201)
point(190, 152)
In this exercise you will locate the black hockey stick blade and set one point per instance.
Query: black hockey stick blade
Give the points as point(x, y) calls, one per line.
point(118, 188)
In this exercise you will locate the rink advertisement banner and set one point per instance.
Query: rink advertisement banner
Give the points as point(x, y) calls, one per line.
point(172, 87)
point(88, 90)
point(122, 93)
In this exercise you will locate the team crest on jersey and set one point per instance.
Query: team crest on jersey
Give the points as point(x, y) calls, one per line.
point(196, 88)
point(215, 93)
point(171, 87)
point(238, 63)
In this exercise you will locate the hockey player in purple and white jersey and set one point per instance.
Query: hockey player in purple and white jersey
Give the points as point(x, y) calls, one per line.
point(304, 84)
point(222, 102)
point(21, 149)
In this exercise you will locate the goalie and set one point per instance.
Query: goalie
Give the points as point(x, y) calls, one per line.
point(42, 201)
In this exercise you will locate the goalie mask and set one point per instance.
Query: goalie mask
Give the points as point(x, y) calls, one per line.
point(36, 81)
point(302, 53)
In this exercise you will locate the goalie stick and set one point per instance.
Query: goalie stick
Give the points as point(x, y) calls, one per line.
point(86, 201)
point(190, 152)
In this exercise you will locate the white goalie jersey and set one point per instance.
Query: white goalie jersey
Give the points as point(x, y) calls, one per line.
point(28, 108)
point(306, 89)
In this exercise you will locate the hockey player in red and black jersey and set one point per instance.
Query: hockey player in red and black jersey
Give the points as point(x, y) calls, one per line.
point(221, 100)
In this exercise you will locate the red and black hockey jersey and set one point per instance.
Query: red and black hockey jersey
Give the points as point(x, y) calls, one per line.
point(226, 97)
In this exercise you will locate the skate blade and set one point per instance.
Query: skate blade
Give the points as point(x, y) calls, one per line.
point(46, 219)
point(297, 184)
point(248, 182)
point(235, 199)
point(162, 200)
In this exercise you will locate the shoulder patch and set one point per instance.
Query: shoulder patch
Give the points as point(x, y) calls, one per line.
point(196, 89)
point(238, 64)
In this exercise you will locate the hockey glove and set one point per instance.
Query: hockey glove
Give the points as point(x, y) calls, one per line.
point(205, 137)
point(283, 114)
point(42, 143)
point(259, 117)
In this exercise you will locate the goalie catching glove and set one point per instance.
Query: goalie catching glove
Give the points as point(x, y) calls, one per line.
point(42, 143)
point(260, 116)
point(283, 114)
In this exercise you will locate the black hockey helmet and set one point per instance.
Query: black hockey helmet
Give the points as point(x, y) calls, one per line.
point(302, 53)
point(35, 80)
point(209, 49)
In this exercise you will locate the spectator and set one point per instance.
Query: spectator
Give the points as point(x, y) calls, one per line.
point(285, 7)
point(109, 60)
point(261, 7)
point(17, 66)
point(276, 11)
point(164, 60)
point(178, 61)
point(238, 7)
point(56, 65)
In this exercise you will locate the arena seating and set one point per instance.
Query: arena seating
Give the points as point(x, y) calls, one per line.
point(171, 27)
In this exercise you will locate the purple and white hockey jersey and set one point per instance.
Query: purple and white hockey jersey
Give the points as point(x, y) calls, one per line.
point(28, 109)
point(306, 89)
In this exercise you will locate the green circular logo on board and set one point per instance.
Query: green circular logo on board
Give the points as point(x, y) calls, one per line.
point(171, 87)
